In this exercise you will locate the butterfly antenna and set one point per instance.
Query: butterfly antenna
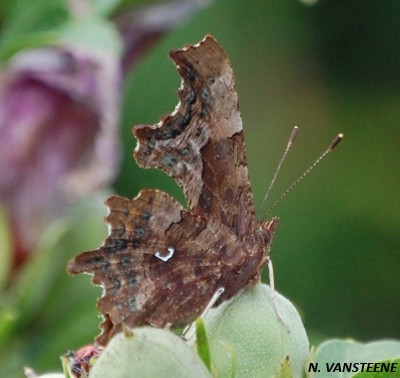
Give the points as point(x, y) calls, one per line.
point(291, 140)
point(331, 147)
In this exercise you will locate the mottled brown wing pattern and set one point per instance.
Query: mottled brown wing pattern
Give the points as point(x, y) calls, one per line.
point(201, 145)
point(152, 264)
point(161, 263)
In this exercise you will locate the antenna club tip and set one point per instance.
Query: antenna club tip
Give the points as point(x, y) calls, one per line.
point(336, 141)
point(293, 135)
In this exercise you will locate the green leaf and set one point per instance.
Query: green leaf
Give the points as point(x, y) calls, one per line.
point(383, 374)
point(346, 351)
point(148, 353)
point(202, 343)
point(37, 277)
point(31, 25)
point(60, 241)
point(8, 319)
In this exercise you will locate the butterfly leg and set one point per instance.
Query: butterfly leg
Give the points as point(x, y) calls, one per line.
point(271, 277)
point(272, 285)
point(190, 330)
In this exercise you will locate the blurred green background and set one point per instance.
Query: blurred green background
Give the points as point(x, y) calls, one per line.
point(329, 68)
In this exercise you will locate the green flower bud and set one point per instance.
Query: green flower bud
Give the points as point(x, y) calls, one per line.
point(148, 352)
point(258, 333)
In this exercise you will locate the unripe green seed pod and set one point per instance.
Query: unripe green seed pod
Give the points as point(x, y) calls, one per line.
point(148, 352)
point(258, 333)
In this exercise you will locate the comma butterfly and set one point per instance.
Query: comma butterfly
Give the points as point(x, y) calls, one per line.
point(162, 263)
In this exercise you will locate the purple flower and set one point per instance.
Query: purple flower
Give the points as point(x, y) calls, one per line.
point(58, 134)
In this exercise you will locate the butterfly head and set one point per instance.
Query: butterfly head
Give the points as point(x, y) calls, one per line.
point(266, 230)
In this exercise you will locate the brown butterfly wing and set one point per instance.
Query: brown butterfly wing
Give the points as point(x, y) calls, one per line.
point(201, 145)
point(162, 263)
point(152, 265)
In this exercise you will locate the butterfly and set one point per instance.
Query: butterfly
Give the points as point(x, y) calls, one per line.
point(162, 262)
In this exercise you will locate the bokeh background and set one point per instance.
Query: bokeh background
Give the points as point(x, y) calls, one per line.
point(329, 67)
